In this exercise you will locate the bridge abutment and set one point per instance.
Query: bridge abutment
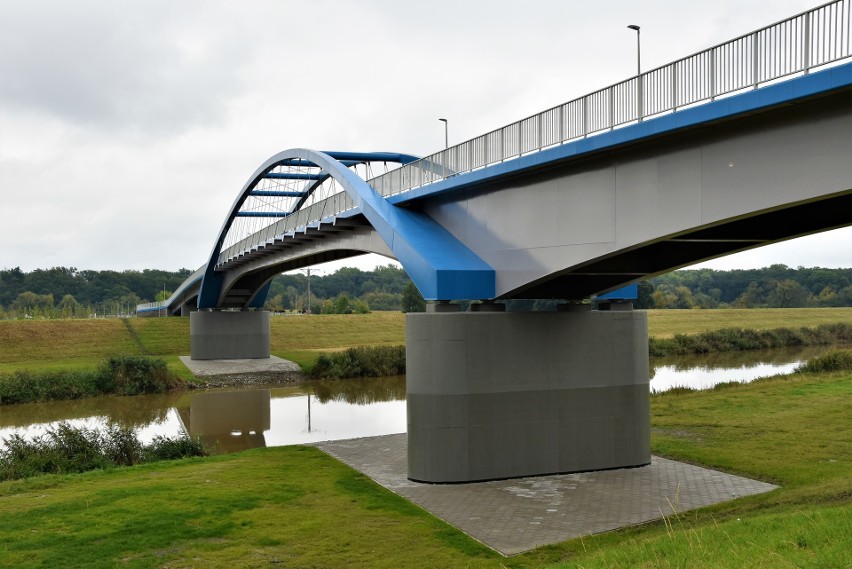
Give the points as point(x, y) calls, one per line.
point(499, 395)
point(225, 335)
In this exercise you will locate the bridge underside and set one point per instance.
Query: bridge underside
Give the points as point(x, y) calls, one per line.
point(584, 224)
point(247, 277)
point(658, 257)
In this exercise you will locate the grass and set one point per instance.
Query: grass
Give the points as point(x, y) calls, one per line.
point(289, 506)
point(296, 507)
point(667, 323)
point(78, 344)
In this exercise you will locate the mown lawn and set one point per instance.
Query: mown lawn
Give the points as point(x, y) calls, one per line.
point(296, 507)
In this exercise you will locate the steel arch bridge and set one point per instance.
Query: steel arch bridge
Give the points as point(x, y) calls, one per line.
point(515, 213)
point(299, 197)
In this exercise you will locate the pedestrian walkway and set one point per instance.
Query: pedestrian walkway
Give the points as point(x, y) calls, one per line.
point(513, 516)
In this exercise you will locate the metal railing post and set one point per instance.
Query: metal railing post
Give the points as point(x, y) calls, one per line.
point(611, 108)
point(806, 48)
point(674, 86)
point(755, 62)
point(713, 75)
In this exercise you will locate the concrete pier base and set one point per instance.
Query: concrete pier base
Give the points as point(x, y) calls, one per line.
point(222, 335)
point(501, 395)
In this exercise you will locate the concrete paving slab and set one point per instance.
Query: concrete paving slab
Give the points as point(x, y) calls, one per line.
point(513, 516)
point(208, 368)
point(244, 372)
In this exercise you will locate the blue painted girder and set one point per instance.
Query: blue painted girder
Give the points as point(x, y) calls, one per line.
point(440, 265)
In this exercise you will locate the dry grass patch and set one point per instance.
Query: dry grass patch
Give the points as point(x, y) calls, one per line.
point(45, 340)
point(667, 323)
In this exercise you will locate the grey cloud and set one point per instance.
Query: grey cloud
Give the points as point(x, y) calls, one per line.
point(126, 67)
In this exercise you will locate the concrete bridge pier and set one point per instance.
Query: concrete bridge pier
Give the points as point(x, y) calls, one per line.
point(508, 394)
point(229, 335)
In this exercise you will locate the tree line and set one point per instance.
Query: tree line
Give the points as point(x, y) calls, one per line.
point(776, 286)
point(63, 292)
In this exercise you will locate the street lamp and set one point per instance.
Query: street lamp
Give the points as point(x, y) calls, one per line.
point(639, 105)
point(446, 133)
point(638, 49)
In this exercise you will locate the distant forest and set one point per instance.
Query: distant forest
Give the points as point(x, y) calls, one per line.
point(62, 292)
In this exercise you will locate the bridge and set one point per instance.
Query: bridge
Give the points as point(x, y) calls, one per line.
point(741, 145)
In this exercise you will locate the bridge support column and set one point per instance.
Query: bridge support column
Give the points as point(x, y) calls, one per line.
point(500, 395)
point(222, 335)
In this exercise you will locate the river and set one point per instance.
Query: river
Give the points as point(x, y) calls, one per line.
point(229, 420)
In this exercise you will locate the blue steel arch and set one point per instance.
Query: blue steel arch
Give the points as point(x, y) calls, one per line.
point(440, 265)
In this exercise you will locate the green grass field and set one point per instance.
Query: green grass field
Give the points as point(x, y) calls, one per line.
point(296, 507)
point(75, 344)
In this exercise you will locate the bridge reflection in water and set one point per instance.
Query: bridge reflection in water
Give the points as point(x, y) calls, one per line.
point(234, 420)
point(228, 420)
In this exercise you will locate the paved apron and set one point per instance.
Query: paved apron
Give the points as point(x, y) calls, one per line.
point(516, 515)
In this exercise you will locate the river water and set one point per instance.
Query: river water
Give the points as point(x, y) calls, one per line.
point(229, 420)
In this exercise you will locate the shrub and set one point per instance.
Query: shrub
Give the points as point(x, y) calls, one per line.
point(132, 375)
point(173, 448)
point(25, 387)
point(835, 360)
point(735, 339)
point(368, 361)
point(66, 449)
point(118, 375)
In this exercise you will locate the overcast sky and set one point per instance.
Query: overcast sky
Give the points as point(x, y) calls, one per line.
point(127, 128)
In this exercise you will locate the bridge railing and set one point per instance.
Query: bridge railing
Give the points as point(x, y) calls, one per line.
point(796, 45)
point(310, 215)
point(815, 38)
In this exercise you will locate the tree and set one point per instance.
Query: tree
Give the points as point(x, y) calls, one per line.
point(342, 304)
point(274, 303)
point(788, 294)
point(412, 300)
point(68, 306)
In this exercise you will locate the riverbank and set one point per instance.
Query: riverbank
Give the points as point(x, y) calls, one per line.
point(296, 506)
point(70, 346)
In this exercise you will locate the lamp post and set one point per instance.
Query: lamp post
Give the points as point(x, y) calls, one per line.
point(308, 271)
point(638, 49)
point(635, 28)
point(309, 292)
point(446, 133)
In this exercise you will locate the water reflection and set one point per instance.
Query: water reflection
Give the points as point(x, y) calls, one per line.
point(229, 420)
point(119, 411)
point(361, 392)
point(703, 371)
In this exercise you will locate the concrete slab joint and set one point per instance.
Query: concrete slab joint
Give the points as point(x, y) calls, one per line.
point(226, 335)
point(495, 395)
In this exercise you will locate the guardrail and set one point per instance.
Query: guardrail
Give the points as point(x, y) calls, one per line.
point(815, 38)
point(795, 45)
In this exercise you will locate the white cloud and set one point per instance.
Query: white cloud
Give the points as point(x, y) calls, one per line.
point(126, 129)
